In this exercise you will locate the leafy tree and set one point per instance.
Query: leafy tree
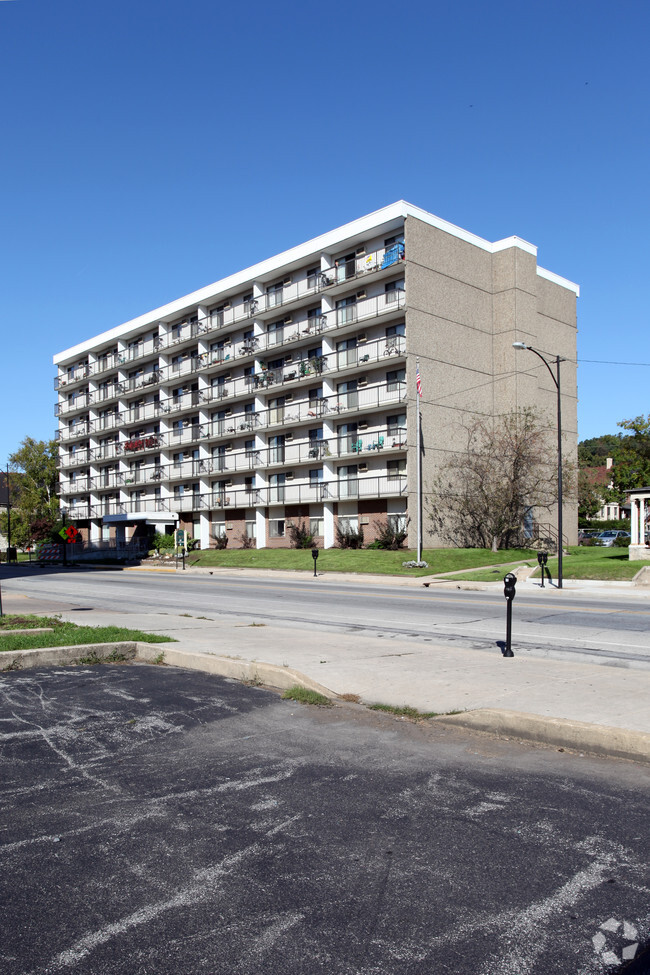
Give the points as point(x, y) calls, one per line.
point(483, 493)
point(36, 487)
point(595, 451)
point(20, 528)
point(591, 494)
point(632, 466)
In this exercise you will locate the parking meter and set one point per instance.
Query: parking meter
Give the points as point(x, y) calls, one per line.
point(314, 555)
point(509, 583)
point(542, 559)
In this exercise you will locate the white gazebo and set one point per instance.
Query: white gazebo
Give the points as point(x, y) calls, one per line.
point(639, 510)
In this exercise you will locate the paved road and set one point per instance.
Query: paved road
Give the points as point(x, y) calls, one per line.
point(155, 821)
point(572, 622)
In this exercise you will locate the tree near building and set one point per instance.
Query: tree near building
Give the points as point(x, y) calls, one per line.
point(632, 464)
point(484, 493)
point(33, 485)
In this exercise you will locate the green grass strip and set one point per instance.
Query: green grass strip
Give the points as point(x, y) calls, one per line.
point(304, 696)
point(69, 634)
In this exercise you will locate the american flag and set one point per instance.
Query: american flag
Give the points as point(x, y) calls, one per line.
point(418, 381)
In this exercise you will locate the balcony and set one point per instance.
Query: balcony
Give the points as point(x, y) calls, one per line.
point(79, 402)
point(67, 379)
point(74, 431)
point(294, 492)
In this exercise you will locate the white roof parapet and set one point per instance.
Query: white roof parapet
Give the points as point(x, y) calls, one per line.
point(394, 213)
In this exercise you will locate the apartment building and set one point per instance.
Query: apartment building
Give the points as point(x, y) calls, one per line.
point(286, 392)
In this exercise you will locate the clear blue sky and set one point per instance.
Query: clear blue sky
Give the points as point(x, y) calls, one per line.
point(150, 148)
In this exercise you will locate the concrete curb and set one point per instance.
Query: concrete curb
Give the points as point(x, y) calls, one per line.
point(248, 671)
point(593, 739)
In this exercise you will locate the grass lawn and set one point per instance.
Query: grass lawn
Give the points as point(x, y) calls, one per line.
point(65, 634)
point(582, 562)
point(373, 561)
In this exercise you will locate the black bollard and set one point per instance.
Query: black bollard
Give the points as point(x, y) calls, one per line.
point(509, 583)
point(314, 555)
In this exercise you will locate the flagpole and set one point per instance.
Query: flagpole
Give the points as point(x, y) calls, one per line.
point(419, 460)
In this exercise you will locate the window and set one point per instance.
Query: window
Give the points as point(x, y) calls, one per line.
point(392, 291)
point(395, 239)
point(396, 468)
point(219, 423)
point(276, 528)
point(276, 488)
point(394, 379)
point(346, 353)
point(275, 333)
point(346, 310)
point(349, 523)
point(397, 522)
point(276, 410)
point(348, 441)
point(276, 449)
point(274, 295)
point(219, 458)
point(316, 477)
point(348, 481)
point(317, 527)
point(251, 529)
point(313, 275)
point(217, 316)
point(345, 268)
point(347, 394)
point(396, 426)
point(251, 453)
point(315, 320)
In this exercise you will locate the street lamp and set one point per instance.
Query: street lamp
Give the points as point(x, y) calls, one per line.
point(556, 379)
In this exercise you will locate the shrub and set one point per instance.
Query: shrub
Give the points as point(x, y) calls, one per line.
point(389, 536)
point(162, 542)
point(246, 540)
point(349, 537)
point(221, 541)
point(300, 537)
point(622, 542)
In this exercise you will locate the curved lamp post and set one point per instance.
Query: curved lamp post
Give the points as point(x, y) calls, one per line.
point(556, 379)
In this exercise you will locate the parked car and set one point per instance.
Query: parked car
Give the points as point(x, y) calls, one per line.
point(586, 533)
point(609, 537)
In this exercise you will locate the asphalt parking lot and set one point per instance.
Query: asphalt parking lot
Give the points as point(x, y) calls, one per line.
point(156, 821)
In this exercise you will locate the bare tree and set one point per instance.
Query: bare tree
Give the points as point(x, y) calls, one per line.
point(483, 494)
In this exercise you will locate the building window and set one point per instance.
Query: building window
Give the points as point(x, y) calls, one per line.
point(274, 295)
point(347, 394)
point(394, 379)
point(392, 291)
point(313, 277)
point(275, 332)
point(276, 449)
point(348, 481)
point(346, 310)
point(276, 528)
point(396, 426)
point(276, 488)
point(346, 353)
point(317, 527)
point(251, 529)
point(396, 468)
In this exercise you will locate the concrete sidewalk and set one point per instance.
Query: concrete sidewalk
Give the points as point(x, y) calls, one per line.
point(585, 706)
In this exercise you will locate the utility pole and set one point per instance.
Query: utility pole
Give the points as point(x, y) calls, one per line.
point(8, 511)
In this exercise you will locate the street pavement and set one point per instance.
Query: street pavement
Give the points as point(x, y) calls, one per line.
point(584, 706)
